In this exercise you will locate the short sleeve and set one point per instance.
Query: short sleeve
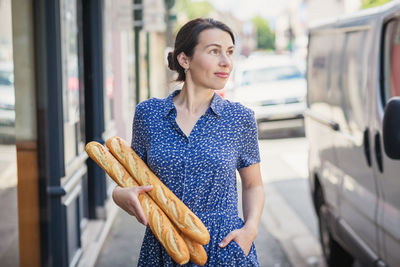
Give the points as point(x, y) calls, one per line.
point(138, 143)
point(248, 153)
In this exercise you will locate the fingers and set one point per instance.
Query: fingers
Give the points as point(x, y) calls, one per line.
point(143, 189)
point(127, 199)
point(139, 213)
point(228, 239)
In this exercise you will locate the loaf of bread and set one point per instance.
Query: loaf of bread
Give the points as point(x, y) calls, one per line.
point(159, 223)
point(197, 252)
point(184, 219)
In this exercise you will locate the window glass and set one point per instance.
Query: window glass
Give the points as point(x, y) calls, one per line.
point(352, 83)
point(108, 64)
point(391, 63)
point(72, 82)
point(9, 249)
point(318, 68)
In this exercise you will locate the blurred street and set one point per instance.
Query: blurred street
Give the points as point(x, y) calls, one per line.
point(288, 229)
point(320, 76)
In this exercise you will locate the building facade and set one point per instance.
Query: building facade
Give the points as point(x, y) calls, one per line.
point(80, 67)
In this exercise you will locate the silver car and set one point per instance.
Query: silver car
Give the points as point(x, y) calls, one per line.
point(272, 86)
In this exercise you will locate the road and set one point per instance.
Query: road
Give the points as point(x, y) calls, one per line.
point(288, 215)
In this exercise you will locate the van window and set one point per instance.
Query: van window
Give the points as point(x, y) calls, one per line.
point(318, 68)
point(352, 83)
point(391, 61)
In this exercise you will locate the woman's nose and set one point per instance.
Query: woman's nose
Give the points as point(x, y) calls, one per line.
point(225, 61)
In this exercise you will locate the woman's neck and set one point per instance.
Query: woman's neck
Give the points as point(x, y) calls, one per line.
point(193, 100)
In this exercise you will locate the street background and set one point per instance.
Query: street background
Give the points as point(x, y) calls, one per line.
point(134, 69)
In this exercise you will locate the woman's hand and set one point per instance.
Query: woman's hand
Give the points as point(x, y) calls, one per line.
point(127, 199)
point(244, 237)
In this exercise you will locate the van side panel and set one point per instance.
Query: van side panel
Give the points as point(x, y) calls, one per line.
point(350, 96)
point(322, 159)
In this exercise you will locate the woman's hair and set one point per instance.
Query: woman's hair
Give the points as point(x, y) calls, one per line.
point(187, 39)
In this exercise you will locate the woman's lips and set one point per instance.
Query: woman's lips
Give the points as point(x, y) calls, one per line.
point(222, 74)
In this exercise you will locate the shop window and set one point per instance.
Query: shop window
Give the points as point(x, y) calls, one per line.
point(73, 138)
point(108, 64)
point(9, 249)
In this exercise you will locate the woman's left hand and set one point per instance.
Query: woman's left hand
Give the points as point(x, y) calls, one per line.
point(244, 237)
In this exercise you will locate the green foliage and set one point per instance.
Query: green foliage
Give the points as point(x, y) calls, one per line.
point(193, 9)
point(373, 3)
point(265, 36)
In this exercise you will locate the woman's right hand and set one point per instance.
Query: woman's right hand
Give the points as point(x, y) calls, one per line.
point(127, 199)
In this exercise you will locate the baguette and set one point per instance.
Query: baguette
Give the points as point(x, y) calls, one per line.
point(159, 223)
point(184, 219)
point(197, 252)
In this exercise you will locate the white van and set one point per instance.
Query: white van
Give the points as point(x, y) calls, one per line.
point(352, 123)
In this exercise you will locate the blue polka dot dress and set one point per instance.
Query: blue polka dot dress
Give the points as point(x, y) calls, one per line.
point(200, 169)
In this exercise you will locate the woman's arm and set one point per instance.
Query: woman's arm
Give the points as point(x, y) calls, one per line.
point(252, 196)
point(253, 204)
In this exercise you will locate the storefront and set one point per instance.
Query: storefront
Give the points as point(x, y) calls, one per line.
point(76, 81)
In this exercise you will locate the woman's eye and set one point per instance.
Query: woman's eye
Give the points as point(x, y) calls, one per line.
point(214, 52)
point(230, 52)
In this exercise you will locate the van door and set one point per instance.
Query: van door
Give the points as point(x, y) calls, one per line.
point(387, 170)
point(358, 201)
point(319, 124)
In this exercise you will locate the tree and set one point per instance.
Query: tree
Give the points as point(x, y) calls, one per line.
point(265, 36)
point(193, 9)
point(373, 3)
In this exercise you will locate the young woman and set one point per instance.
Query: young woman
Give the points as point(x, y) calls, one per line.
point(194, 141)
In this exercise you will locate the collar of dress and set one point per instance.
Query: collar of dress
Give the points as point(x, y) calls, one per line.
point(217, 104)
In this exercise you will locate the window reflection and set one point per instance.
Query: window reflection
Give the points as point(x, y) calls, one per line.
point(108, 63)
point(71, 79)
point(9, 249)
point(392, 61)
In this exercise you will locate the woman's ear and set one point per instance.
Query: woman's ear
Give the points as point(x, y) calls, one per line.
point(183, 60)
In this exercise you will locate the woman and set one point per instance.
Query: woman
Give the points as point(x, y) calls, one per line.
point(194, 141)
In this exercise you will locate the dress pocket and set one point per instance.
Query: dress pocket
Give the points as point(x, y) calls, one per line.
point(240, 250)
point(240, 257)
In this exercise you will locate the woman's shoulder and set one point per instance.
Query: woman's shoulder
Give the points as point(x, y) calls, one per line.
point(238, 109)
point(149, 105)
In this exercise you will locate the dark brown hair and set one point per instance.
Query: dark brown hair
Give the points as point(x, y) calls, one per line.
point(187, 39)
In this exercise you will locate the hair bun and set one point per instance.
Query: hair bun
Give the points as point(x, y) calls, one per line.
point(171, 63)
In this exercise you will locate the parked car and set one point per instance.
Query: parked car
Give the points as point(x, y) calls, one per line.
point(352, 123)
point(272, 86)
point(7, 101)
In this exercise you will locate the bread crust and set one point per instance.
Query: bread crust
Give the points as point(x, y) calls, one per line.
point(197, 252)
point(184, 219)
point(159, 223)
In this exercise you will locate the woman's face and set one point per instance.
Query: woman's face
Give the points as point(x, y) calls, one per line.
point(211, 63)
